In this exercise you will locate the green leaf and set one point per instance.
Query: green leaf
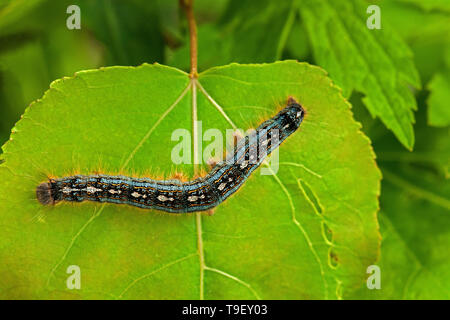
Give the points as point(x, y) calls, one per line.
point(258, 32)
point(425, 42)
point(297, 44)
point(11, 11)
point(131, 30)
point(25, 72)
point(213, 50)
point(246, 33)
point(414, 227)
point(310, 231)
point(442, 5)
point(438, 110)
point(376, 63)
point(414, 217)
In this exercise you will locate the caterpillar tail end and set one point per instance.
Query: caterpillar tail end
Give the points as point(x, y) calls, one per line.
point(44, 194)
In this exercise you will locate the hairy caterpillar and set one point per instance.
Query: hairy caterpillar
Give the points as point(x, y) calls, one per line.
point(176, 196)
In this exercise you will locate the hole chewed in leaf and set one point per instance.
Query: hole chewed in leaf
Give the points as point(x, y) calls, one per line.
point(310, 196)
point(327, 233)
point(333, 259)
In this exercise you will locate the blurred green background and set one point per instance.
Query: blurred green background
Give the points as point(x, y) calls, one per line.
point(36, 48)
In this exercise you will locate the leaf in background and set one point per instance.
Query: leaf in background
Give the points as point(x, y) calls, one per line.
point(211, 44)
point(414, 224)
point(375, 62)
point(248, 32)
point(130, 29)
point(438, 111)
point(297, 45)
point(438, 107)
point(259, 32)
point(442, 5)
point(36, 53)
point(430, 40)
point(415, 216)
point(9, 95)
point(416, 208)
point(38, 57)
point(213, 50)
point(426, 42)
point(11, 11)
point(433, 149)
point(310, 231)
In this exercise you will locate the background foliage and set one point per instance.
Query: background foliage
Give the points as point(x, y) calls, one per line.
point(397, 79)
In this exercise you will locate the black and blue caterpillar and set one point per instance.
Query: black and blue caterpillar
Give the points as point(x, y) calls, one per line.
point(176, 196)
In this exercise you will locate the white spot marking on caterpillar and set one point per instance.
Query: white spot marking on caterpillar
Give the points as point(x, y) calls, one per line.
point(221, 186)
point(69, 190)
point(92, 190)
point(164, 198)
point(192, 198)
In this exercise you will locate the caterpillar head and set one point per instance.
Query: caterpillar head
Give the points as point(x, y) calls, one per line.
point(44, 193)
point(292, 115)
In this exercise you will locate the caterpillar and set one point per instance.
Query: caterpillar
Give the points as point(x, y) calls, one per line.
point(175, 196)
